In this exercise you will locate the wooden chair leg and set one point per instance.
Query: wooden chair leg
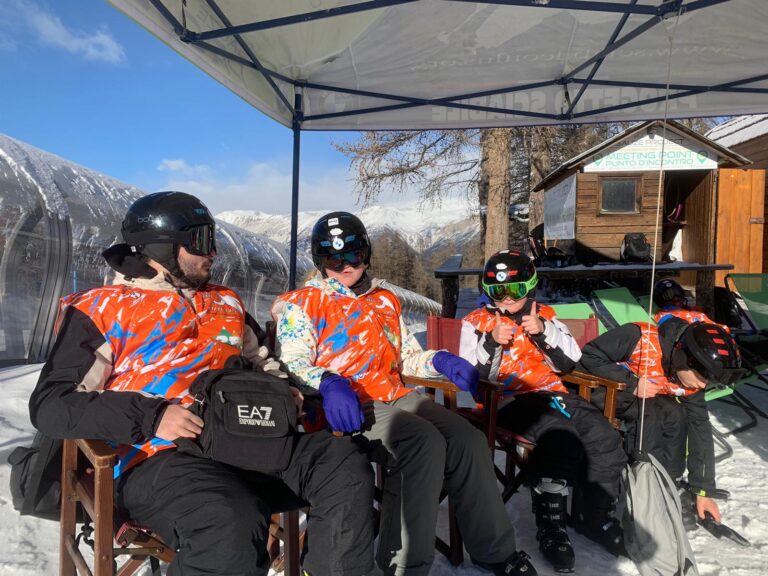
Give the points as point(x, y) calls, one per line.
point(103, 556)
point(456, 556)
point(67, 519)
point(273, 542)
point(292, 544)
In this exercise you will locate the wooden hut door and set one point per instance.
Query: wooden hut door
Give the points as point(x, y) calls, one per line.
point(740, 220)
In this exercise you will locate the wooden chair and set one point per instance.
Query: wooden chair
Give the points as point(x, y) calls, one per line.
point(93, 488)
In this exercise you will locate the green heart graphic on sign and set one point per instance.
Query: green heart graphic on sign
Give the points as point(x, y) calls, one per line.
point(598, 160)
point(702, 155)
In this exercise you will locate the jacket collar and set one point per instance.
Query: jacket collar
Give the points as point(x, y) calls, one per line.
point(158, 283)
point(332, 286)
point(516, 317)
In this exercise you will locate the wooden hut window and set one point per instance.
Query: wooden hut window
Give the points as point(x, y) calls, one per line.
point(620, 195)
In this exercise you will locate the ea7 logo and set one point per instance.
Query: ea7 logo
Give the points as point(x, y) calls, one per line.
point(255, 415)
point(253, 412)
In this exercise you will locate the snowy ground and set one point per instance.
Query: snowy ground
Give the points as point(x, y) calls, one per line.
point(30, 547)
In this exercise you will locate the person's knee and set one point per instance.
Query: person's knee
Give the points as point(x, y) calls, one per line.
point(469, 442)
point(238, 521)
point(228, 535)
point(419, 443)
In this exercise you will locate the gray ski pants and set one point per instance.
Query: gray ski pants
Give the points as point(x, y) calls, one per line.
point(422, 444)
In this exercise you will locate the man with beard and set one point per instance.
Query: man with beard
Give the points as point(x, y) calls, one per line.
point(120, 371)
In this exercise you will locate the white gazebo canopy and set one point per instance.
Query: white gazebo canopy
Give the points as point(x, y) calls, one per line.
point(435, 64)
point(405, 64)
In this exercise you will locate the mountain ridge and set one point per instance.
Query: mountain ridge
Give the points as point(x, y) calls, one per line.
point(425, 230)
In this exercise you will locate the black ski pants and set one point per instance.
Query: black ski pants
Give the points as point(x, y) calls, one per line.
point(581, 447)
point(218, 516)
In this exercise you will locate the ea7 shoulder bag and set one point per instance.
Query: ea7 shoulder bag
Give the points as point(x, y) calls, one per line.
point(249, 419)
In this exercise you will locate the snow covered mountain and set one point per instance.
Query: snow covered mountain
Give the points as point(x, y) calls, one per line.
point(423, 229)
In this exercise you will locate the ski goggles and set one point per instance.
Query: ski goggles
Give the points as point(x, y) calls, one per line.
point(514, 290)
point(337, 262)
point(198, 240)
point(201, 240)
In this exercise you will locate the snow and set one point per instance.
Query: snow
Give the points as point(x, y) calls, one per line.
point(739, 129)
point(29, 546)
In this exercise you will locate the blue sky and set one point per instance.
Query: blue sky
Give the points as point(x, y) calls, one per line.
point(83, 81)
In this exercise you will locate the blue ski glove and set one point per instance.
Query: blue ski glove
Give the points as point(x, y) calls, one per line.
point(341, 405)
point(457, 370)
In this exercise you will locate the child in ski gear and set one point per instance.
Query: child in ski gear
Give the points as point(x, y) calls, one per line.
point(343, 333)
point(521, 344)
point(669, 366)
point(120, 371)
point(670, 300)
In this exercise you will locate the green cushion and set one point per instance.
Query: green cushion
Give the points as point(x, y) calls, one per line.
point(715, 393)
point(753, 289)
point(620, 306)
point(644, 300)
point(576, 311)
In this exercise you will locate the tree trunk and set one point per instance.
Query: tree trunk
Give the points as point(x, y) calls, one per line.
point(495, 145)
point(540, 165)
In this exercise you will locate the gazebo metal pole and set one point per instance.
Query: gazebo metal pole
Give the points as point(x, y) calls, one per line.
point(297, 118)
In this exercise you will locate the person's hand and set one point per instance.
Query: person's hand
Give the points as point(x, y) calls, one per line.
point(341, 405)
point(298, 399)
point(457, 370)
point(503, 332)
point(178, 422)
point(706, 504)
point(531, 322)
point(647, 388)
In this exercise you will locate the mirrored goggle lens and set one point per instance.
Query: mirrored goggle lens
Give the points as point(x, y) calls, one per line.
point(338, 262)
point(202, 240)
point(499, 292)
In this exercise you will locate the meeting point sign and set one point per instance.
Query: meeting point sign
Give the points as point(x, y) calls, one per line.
point(645, 152)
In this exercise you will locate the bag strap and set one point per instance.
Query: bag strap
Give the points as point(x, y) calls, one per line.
point(46, 447)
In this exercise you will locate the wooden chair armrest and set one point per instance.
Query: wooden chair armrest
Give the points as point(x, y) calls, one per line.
point(489, 391)
point(98, 452)
point(596, 380)
point(438, 383)
point(588, 382)
point(445, 384)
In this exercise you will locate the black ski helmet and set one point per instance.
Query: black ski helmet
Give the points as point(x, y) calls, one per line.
point(668, 291)
point(156, 223)
point(711, 351)
point(509, 269)
point(337, 233)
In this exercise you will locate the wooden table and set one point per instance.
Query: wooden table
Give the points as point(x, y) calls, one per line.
point(450, 271)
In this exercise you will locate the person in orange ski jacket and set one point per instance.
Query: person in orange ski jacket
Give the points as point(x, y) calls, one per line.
point(670, 366)
point(670, 300)
point(521, 344)
point(120, 371)
point(343, 333)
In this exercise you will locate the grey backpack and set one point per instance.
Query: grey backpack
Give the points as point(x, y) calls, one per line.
point(654, 534)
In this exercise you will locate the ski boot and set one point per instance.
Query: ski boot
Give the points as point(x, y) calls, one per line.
point(518, 564)
point(594, 517)
point(550, 504)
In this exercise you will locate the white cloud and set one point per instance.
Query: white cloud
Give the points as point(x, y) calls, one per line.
point(267, 188)
point(49, 30)
point(182, 167)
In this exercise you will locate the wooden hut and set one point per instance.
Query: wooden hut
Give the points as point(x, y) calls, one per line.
point(748, 135)
point(594, 199)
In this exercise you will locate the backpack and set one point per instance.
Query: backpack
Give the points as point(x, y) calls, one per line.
point(635, 248)
point(36, 477)
point(654, 534)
